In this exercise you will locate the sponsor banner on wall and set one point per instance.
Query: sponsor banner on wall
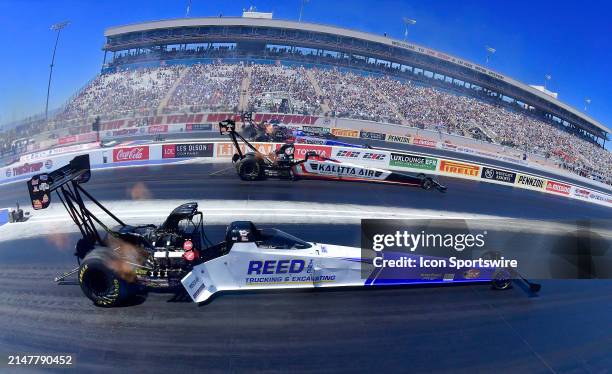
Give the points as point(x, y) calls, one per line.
point(310, 140)
point(372, 135)
point(228, 149)
point(346, 133)
point(448, 146)
point(364, 155)
point(125, 132)
point(398, 139)
point(459, 168)
point(185, 118)
point(424, 142)
point(67, 139)
point(465, 150)
point(198, 127)
point(321, 150)
point(87, 137)
point(157, 129)
point(405, 160)
point(601, 198)
point(557, 187)
point(56, 151)
point(581, 193)
point(530, 182)
point(317, 129)
point(293, 126)
point(498, 175)
point(27, 168)
point(138, 153)
point(187, 150)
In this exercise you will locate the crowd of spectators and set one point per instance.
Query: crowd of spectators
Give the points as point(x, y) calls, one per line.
point(122, 92)
point(342, 93)
point(277, 88)
point(208, 87)
point(16, 139)
point(356, 96)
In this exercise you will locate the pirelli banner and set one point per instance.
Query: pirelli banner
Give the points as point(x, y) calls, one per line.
point(459, 169)
point(345, 133)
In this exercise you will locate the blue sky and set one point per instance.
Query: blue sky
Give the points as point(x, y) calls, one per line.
point(570, 41)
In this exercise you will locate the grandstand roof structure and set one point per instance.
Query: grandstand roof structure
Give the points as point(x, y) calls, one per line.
point(253, 34)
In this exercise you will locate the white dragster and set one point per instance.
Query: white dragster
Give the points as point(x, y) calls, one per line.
point(253, 259)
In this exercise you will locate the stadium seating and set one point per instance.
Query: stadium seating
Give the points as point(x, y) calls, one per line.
point(317, 91)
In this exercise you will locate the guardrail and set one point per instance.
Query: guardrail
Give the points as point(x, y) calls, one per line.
point(136, 155)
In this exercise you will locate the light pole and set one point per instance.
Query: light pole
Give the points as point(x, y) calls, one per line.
point(303, 2)
point(490, 52)
point(547, 77)
point(57, 27)
point(587, 102)
point(188, 9)
point(407, 22)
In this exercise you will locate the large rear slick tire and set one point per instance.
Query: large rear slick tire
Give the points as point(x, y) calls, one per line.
point(249, 169)
point(101, 284)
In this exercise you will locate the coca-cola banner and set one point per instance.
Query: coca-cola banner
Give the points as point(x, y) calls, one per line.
point(131, 153)
point(158, 129)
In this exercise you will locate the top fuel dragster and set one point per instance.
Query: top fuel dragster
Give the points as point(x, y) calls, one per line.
point(254, 165)
point(127, 260)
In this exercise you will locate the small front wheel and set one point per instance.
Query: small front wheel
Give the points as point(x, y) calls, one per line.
point(501, 280)
point(427, 183)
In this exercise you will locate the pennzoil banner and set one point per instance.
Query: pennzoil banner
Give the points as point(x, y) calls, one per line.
point(530, 182)
point(398, 139)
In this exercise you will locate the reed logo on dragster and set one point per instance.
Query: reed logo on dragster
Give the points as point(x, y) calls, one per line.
point(128, 260)
point(281, 163)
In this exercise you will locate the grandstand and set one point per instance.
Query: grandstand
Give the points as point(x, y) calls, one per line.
point(231, 64)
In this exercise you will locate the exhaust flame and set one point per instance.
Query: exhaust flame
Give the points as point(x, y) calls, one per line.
point(124, 258)
point(139, 192)
point(59, 241)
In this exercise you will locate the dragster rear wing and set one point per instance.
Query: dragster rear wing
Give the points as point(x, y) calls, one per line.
point(227, 126)
point(40, 186)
